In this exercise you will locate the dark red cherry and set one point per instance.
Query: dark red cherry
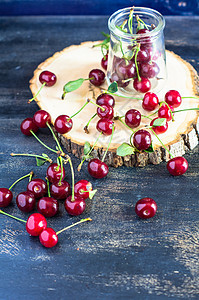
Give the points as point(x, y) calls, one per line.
point(60, 190)
point(142, 86)
point(47, 206)
point(38, 187)
point(41, 117)
point(97, 168)
point(159, 129)
point(27, 125)
point(150, 101)
point(143, 55)
point(82, 188)
point(105, 126)
point(142, 31)
point(149, 70)
point(48, 238)
point(26, 201)
point(105, 99)
point(35, 224)
point(5, 197)
point(177, 166)
point(48, 77)
point(120, 82)
point(142, 139)
point(104, 62)
point(133, 118)
point(146, 208)
point(107, 113)
point(164, 112)
point(54, 173)
point(173, 98)
point(98, 77)
point(63, 124)
point(126, 70)
point(75, 208)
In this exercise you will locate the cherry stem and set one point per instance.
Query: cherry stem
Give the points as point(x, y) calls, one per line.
point(27, 175)
point(146, 117)
point(161, 142)
point(130, 20)
point(48, 186)
point(73, 177)
point(33, 98)
point(42, 142)
point(126, 125)
point(190, 97)
point(136, 64)
point(108, 143)
point(196, 108)
point(79, 110)
point(169, 109)
point(61, 164)
point(31, 155)
point(18, 219)
point(55, 138)
point(102, 108)
point(126, 97)
point(70, 226)
point(86, 126)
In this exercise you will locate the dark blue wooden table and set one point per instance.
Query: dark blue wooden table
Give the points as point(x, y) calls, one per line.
point(117, 255)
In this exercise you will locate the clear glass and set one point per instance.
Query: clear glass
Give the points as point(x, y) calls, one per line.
point(134, 54)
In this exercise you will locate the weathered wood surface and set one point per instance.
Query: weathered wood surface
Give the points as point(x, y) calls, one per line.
point(119, 256)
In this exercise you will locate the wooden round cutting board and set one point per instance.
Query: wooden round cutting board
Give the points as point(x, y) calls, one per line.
point(76, 62)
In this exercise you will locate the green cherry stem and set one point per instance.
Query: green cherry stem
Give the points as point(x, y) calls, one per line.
point(102, 108)
point(86, 126)
point(42, 142)
point(161, 142)
point(79, 109)
point(136, 64)
point(148, 117)
point(61, 164)
point(73, 177)
point(33, 98)
point(21, 178)
point(191, 97)
point(55, 138)
point(196, 108)
point(13, 217)
point(119, 118)
point(108, 143)
point(48, 187)
point(70, 226)
point(169, 109)
point(32, 155)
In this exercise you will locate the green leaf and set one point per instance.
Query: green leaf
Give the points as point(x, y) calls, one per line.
point(105, 34)
point(150, 149)
point(125, 149)
point(73, 85)
point(159, 122)
point(40, 162)
point(87, 148)
point(113, 87)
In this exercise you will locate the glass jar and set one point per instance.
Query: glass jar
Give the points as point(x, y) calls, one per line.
point(137, 60)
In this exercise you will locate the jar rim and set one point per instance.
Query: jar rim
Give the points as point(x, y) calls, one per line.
point(144, 10)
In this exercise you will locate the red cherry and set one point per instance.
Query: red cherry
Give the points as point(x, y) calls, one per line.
point(142, 139)
point(48, 206)
point(143, 55)
point(38, 187)
point(5, 197)
point(105, 99)
point(48, 77)
point(105, 126)
point(98, 77)
point(133, 118)
point(54, 173)
point(146, 208)
point(150, 101)
point(27, 125)
point(41, 117)
point(82, 188)
point(159, 129)
point(177, 166)
point(35, 224)
point(75, 208)
point(48, 238)
point(104, 62)
point(26, 201)
point(142, 86)
point(145, 41)
point(173, 98)
point(108, 113)
point(120, 82)
point(125, 71)
point(97, 168)
point(149, 70)
point(63, 124)
point(60, 190)
point(164, 112)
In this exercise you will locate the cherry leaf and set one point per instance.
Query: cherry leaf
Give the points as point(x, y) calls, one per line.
point(150, 149)
point(113, 87)
point(40, 162)
point(159, 122)
point(87, 148)
point(73, 85)
point(125, 149)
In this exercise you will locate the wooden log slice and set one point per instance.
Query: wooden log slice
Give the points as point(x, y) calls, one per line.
point(76, 62)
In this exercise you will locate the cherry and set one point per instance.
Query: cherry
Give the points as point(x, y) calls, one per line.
point(60, 190)
point(142, 139)
point(125, 71)
point(173, 98)
point(107, 113)
point(76, 207)
point(54, 173)
point(146, 208)
point(149, 70)
point(63, 124)
point(159, 129)
point(38, 187)
point(48, 238)
point(143, 55)
point(27, 125)
point(105, 99)
point(26, 201)
point(97, 77)
point(143, 85)
point(5, 197)
point(82, 188)
point(104, 62)
point(48, 206)
point(41, 117)
point(35, 224)
point(177, 166)
point(133, 118)
point(164, 112)
point(120, 82)
point(142, 31)
point(150, 101)
point(105, 126)
point(97, 168)
point(48, 78)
